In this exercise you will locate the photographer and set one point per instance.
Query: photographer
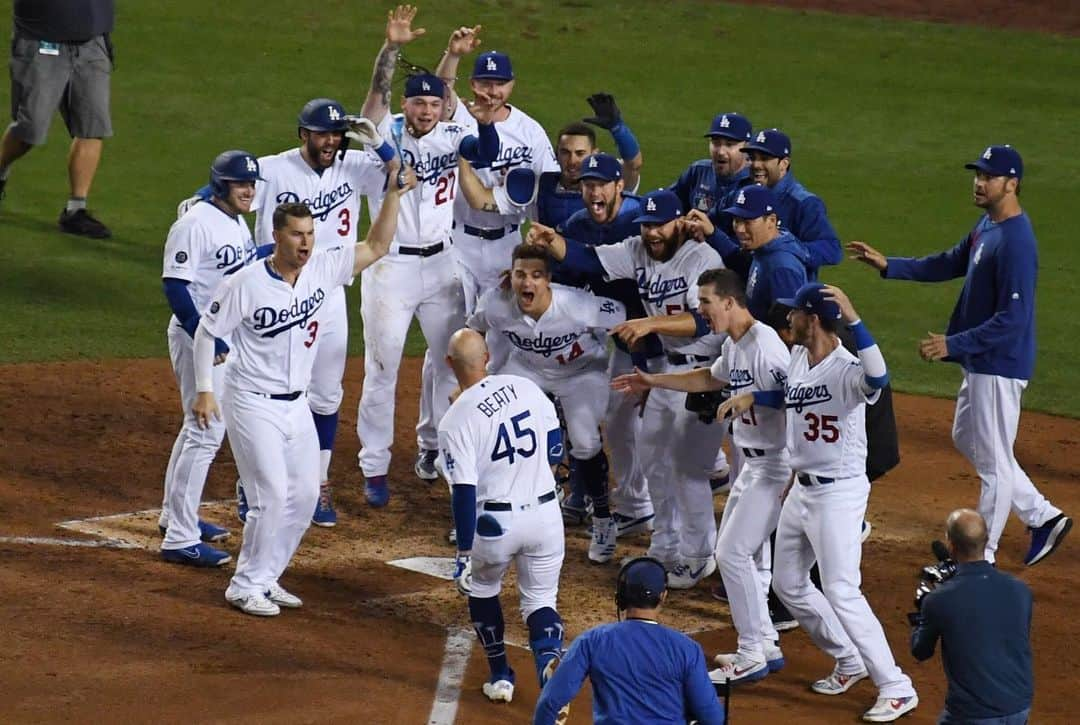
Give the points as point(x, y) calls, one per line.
point(983, 618)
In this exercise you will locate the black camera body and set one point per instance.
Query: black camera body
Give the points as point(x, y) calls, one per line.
point(705, 404)
point(931, 576)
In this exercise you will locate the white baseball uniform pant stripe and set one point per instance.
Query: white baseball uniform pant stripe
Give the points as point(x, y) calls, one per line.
point(984, 430)
point(332, 346)
point(824, 522)
point(277, 454)
point(622, 424)
point(750, 516)
point(533, 539)
point(678, 451)
point(192, 453)
point(393, 291)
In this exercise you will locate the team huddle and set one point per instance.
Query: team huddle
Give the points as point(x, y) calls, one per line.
point(626, 340)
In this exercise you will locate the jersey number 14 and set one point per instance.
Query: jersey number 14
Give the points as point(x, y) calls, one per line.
point(505, 447)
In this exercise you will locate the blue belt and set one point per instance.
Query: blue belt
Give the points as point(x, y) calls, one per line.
point(489, 234)
point(676, 358)
point(504, 506)
point(809, 479)
point(753, 452)
point(428, 251)
point(280, 396)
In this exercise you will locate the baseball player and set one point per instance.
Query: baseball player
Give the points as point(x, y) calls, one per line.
point(707, 181)
point(497, 443)
point(608, 218)
point(825, 401)
point(329, 178)
point(992, 335)
point(274, 308)
point(677, 449)
point(754, 360)
point(558, 339)
point(203, 248)
point(418, 278)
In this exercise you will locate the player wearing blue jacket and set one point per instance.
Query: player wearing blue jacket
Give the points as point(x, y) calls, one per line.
point(708, 181)
point(641, 671)
point(992, 335)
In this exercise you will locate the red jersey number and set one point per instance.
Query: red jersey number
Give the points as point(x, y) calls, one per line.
point(444, 190)
point(345, 220)
point(823, 427)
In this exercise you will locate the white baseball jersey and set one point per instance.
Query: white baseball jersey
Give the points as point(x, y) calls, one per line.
point(427, 212)
point(826, 414)
point(522, 142)
point(569, 337)
point(666, 288)
point(333, 195)
point(757, 362)
point(497, 436)
point(274, 347)
point(203, 247)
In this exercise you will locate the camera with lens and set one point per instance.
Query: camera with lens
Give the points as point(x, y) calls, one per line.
point(705, 404)
point(931, 576)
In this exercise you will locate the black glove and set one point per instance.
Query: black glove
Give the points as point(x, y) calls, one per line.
point(924, 588)
point(705, 404)
point(607, 113)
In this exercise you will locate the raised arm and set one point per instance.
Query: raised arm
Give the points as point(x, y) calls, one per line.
point(479, 196)
point(608, 116)
point(462, 41)
point(946, 265)
point(399, 31)
point(383, 227)
point(875, 374)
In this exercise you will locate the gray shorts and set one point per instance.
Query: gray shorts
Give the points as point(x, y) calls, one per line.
point(75, 80)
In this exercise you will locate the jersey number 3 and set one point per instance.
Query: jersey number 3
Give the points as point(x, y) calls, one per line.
point(504, 447)
point(346, 223)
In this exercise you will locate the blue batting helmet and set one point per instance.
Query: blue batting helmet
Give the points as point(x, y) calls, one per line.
point(232, 165)
point(324, 114)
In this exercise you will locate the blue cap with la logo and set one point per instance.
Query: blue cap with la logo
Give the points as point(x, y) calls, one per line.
point(999, 161)
point(659, 207)
point(493, 65)
point(601, 166)
point(752, 202)
point(731, 125)
point(771, 141)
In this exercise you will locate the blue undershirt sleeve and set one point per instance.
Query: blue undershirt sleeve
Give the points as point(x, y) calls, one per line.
point(483, 148)
point(565, 683)
point(625, 141)
point(582, 259)
point(463, 502)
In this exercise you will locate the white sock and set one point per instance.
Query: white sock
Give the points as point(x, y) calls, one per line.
point(75, 203)
point(324, 464)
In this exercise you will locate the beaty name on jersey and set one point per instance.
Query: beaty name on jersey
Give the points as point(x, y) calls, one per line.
point(490, 405)
point(298, 313)
point(659, 289)
point(543, 344)
point(804, 396)
point(324, 202)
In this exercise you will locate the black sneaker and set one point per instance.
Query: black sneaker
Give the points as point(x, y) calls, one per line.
point(3, 183)
point(80, 222)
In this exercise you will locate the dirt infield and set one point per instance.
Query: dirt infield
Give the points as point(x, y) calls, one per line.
point(115, 635)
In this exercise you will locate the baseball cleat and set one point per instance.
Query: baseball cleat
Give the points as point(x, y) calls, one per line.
point(887, 709)
point(782, 619)
point(241, 502)
point(258, 605)
point(737, 668)
point(602, 546)
point(686, 574)
point(837, 683)
point(81, 223)
point(325, 515)
point(720, 482)
point(574, 510)
point(864, 534)
point(425, 465)
point(208, 532)
point(452, 536)
point(628, 525)
point(1046, 538)
point(377, 491)
point(277, 594)
point(500, 688)
point(719, 593)
point(199, 555)
point(774, 657)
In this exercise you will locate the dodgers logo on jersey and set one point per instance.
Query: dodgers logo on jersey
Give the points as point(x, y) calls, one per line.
point(800, 397)
point(608, 306)
point(659, 289)
point(324, 202)
point(214, 307)
point(978, 254)
point(752, 282)
point(542, 344)
point(740, 378)
point(429, 167)
point(298, 313)
point(181, 257)
point(231, 258)
point(448, 460)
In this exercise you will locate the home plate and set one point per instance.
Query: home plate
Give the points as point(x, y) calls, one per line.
point(439, 567)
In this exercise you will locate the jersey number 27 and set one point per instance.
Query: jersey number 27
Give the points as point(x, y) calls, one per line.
point(504, 446)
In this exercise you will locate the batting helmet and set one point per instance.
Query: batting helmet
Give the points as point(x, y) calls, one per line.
point(232, 165)
point(324, 114)
point(640, 583)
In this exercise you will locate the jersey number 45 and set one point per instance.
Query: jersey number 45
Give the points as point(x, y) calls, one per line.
point(504, 447)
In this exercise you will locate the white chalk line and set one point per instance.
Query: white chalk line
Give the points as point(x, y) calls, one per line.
point(52, 541)
point(451, 676)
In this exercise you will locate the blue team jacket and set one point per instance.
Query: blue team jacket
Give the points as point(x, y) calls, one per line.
point(777, 269)
point(555, 206)
point(700, 188)
point(803, 214)
point(992, 328)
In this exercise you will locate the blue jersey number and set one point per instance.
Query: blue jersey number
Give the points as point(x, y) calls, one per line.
point(504, 447)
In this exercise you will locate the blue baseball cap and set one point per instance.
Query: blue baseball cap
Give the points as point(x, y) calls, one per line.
point(809, 299)
point(601, 166)
point(659, 207)
point(493, 65)
point(752, 202)
point(999, 161)
point(647, 579)
point(771, 141)
point(731, 125)
point(424, 84)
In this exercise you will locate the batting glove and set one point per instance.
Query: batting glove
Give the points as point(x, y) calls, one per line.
point(607, 112)
point(463, 572)
point(362, 130)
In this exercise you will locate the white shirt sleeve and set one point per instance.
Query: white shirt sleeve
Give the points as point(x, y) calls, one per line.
point(604, 313)
point(183, 250)
point(335, 266)
point(618, 259)
point(367, 171)
point(479, 320)
point(226, 311)
point(852, 384)
point(458, 458)
point(721, 367)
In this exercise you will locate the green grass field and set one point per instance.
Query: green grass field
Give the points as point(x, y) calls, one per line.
point(883, 114)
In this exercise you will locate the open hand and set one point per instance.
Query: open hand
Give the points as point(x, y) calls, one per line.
point(399, 30)
point(636, 382)
point(863, 252)
point(464, 40)
point(933, 347)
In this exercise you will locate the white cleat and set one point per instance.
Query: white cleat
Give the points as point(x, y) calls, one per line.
point(887, 709)
point(277, 594)
point(602, 546)
point(258, 605)
point(688, 573)
point(736, 668)
point(838, 683)
point(499, 691)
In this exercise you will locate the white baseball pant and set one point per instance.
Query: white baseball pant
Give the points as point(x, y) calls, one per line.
point(332, 347)
point(622, 427)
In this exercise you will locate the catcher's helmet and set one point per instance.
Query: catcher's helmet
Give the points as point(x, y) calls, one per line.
point(232, 165)
point(324, 114)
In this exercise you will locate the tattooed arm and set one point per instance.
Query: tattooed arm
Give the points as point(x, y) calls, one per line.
point(399, 31)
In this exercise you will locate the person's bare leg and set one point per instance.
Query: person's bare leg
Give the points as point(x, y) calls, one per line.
point(83, 161)
point(11, 148)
